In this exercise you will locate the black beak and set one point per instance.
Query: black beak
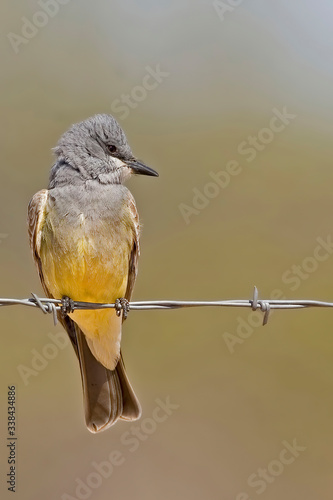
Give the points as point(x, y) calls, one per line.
point(140, 168)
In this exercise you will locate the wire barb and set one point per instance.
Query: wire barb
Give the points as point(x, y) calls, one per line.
point(122, 305)
point(264, 305)
point(39, 303)
point(46, 307)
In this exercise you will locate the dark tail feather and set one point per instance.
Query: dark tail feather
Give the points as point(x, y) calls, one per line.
point(107, 394)
point(131, 405)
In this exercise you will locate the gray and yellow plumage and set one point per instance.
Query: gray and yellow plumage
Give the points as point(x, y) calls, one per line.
point(84, 235)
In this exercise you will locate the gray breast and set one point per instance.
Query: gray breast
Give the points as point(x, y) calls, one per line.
point(91, 199)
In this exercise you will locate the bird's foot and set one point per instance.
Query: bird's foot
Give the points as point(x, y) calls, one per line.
point(122, 305)
point(67, 305)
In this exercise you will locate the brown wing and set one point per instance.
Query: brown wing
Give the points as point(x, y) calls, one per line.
point(135, 254)
point(36, 218)
point(131, 405)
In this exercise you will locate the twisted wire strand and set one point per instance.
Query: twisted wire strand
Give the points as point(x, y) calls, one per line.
point(52, 306)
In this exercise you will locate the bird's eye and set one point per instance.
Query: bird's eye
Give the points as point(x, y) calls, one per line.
point(112, 149)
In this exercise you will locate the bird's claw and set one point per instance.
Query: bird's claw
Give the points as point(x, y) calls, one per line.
point(67, 306)
point(122, 305)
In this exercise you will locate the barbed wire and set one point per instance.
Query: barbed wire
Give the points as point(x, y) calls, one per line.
point(53, 306)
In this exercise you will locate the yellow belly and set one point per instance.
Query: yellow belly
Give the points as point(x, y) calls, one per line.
point(90, 268)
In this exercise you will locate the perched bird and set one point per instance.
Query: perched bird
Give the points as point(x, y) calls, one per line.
point(84, 235)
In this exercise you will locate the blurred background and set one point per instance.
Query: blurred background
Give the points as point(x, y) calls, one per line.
point(231, 102)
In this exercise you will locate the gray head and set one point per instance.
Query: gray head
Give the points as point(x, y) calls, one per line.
point(96, 148)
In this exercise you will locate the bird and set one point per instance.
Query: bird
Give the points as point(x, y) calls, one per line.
point(84, 233)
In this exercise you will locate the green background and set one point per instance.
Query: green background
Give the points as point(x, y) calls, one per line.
point(225, 78)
